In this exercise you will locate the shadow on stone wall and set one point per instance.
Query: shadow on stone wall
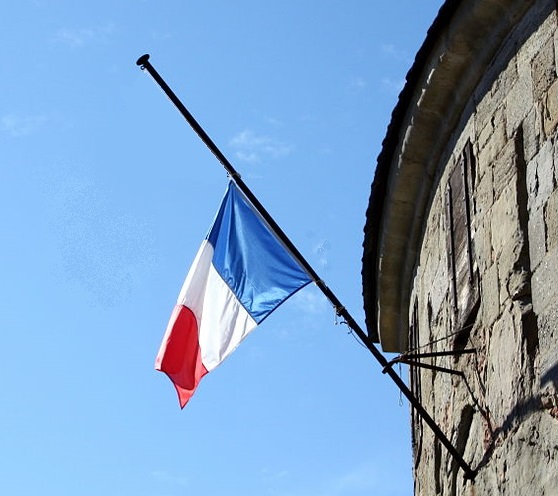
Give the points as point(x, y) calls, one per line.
point(544, 401)
point(550, 377)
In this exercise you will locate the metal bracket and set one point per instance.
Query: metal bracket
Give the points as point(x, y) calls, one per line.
point(414, 359)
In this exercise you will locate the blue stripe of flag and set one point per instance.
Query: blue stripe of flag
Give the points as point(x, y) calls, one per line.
point(257, 267)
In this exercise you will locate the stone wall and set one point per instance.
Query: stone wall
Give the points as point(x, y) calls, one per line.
point(487, 278)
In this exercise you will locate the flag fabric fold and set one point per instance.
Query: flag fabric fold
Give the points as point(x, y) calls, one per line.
point(241, 273)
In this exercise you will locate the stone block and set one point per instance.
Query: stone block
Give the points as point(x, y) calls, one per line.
point(543, 69)
point(537, 237)
point(532, 184)
point(519, 103)
point(440, 287)
point(490, 100)
point(532, 47)
point(490, 296)
point(550, 110)
point(508, 269)
point(548, 357)
point(508, 76)
point(494, 144)
point(497, 81)
point(545, 171)
point(504, 368)
point(505, 221)
point(504, 171)
point(531, 455)
point(540, 37)
point(482, 244)
point(544, 283)
point(551, 221)
point(484, 195)
point(484, 134)
point(540, 176)
point(518, 286)
point(532, 130)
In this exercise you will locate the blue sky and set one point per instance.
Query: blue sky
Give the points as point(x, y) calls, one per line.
point(105, 196)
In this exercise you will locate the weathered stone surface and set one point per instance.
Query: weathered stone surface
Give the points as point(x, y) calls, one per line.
point(544, 282)
point(491, 100)
point(505, 224)
point(503, 412)
point(490, 291)
point(537, 237)
point(548, 359)
point(532, 130)
point(482, 244)
point(551, 221)
point(504, 169)
point(495, 143)
point(540, 23)
point(550, 112)
point(543, 69)
point(540, 176)
point(519, 102)
point(484, 195)
point(489, 79)
point(503, 378)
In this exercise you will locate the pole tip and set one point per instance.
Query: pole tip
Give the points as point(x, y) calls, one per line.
point(142, 60)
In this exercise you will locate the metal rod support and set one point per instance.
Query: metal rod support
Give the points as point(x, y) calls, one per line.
point(431, 367)
point(341, 311)
point(435, 354)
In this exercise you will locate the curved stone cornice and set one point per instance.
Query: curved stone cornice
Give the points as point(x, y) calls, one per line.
point(457, 52)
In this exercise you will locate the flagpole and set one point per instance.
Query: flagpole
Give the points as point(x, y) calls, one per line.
point(341, 311)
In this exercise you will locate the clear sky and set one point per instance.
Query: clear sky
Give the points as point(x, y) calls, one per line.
point(105, 196)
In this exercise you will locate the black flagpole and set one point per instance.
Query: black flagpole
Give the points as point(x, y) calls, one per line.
point(340, 310)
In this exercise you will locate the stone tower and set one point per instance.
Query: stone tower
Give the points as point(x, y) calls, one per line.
point(461, 246)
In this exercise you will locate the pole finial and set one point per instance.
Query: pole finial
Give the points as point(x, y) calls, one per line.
point(142, 60)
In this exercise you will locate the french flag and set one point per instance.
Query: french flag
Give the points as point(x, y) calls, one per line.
point(241, 273)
